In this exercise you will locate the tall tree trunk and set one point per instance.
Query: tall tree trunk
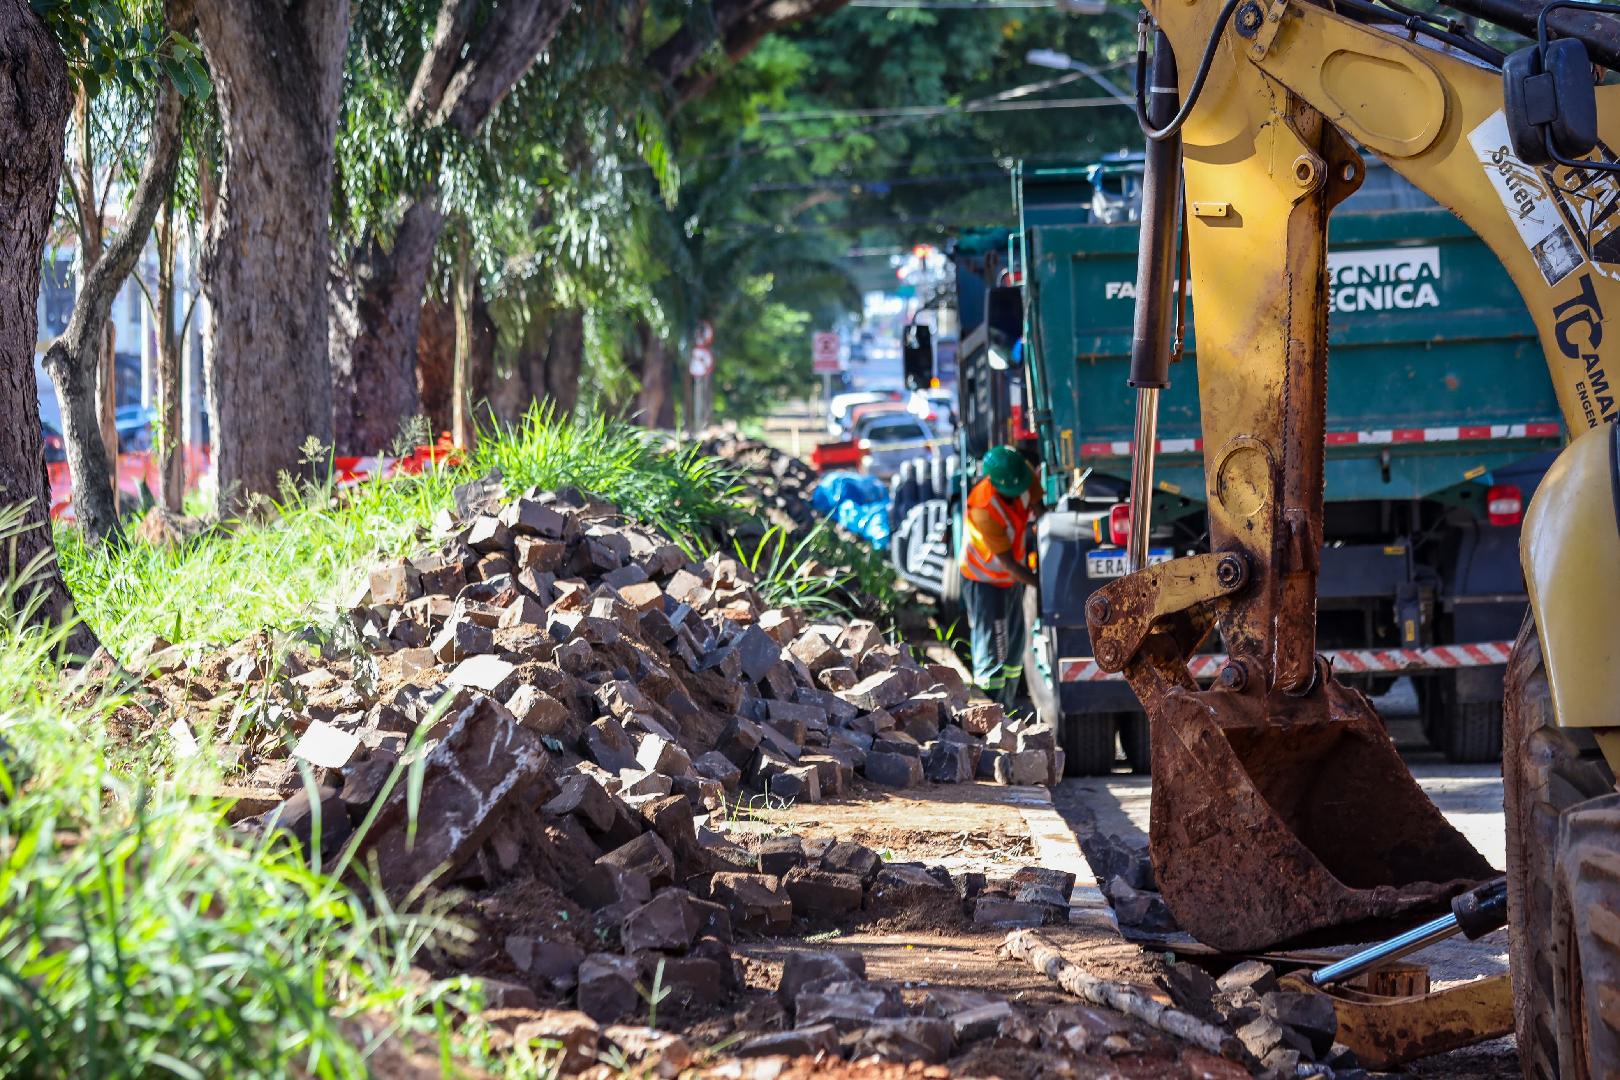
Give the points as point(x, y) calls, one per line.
point(435, 370)
point(478, 53)
point(72, 359)
point(462, 428)
point(33, 121)
point(564, 358)
point(277, 67)
point(656, 403)
point(376, 317)
point(171, 460)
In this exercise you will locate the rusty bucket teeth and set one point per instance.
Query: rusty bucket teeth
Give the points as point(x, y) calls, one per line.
point(1294, 821)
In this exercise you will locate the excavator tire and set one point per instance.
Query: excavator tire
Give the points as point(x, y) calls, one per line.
point(1546, 770)
point(1587, 938)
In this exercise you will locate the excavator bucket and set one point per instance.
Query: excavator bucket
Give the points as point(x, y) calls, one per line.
point(1278, 820)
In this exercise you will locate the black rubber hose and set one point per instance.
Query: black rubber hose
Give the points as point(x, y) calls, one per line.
point(1173, 125)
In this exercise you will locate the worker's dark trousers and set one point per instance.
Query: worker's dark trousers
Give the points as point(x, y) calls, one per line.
point(996, 631)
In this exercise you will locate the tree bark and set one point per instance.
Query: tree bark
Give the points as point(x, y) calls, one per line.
point(277, 67)
point(376, 318)
point(171, 460)
point(467, 71)
point(551, 360)
point(462, 429)
point(33, 121)
point(72, 360)
point(656, 403)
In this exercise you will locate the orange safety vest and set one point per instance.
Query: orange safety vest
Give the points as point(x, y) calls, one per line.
point(978, 561)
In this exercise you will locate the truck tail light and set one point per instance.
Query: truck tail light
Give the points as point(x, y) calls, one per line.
point(1119, 524)
point(1504, 504)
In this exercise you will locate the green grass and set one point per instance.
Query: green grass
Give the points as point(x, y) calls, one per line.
point(140, 937)
point(295, 569)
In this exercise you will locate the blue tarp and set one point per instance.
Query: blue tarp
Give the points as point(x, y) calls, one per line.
point(858, 503)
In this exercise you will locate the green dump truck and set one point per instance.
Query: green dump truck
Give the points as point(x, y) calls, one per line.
point(1441, 421)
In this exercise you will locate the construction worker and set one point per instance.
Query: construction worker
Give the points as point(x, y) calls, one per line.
point(994, 566)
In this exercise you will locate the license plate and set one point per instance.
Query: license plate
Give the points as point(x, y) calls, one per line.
point(1102, 564)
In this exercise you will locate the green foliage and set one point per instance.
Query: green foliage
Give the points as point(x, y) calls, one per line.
point(681, 491)
point(784, 576)
point(122, 42)
point(240, 576)
point(139, 936)
point(291, 571)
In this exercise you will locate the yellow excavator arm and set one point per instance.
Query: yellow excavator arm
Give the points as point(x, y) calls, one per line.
point(1281, 811)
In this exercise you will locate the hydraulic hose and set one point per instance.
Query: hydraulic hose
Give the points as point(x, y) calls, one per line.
point(1170, 127)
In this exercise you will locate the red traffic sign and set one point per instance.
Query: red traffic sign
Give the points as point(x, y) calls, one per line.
point(824, 353)
point(700, 361)
point(703, 336)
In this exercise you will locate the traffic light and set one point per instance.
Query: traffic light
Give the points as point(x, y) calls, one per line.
point(917, 352)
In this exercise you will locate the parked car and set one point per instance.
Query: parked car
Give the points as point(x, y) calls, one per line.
point(888, 440)
point(838, 409)
point(134, 424)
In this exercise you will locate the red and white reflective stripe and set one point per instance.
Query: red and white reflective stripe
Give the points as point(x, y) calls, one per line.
point(1380, 437)
point(1348, 661)
point(348, 471)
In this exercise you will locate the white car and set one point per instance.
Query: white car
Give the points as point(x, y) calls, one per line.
point(839, 408)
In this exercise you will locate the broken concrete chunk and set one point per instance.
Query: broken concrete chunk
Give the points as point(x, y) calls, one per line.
point(480, 766)
point(668, 923)
point(584, 798)
point(893, 770)
point(607, 987)
point(757, 902)
point(818, 894)
point(880, 691)
point(490, 674)
point(647, 855)
point(806, 971)
point(326, 746)
point(817, 1040)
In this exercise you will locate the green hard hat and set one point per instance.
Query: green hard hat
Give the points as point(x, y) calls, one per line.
point(1009, 473)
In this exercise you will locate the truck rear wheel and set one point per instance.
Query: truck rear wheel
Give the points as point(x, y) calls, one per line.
point(1136, 740)
point(1466, 732)
point(1546, 771)
point(1088, 743)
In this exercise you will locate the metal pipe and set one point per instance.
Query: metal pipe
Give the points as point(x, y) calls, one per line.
point(1150, 332)
point(1396, 947)
point(1145, 438)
